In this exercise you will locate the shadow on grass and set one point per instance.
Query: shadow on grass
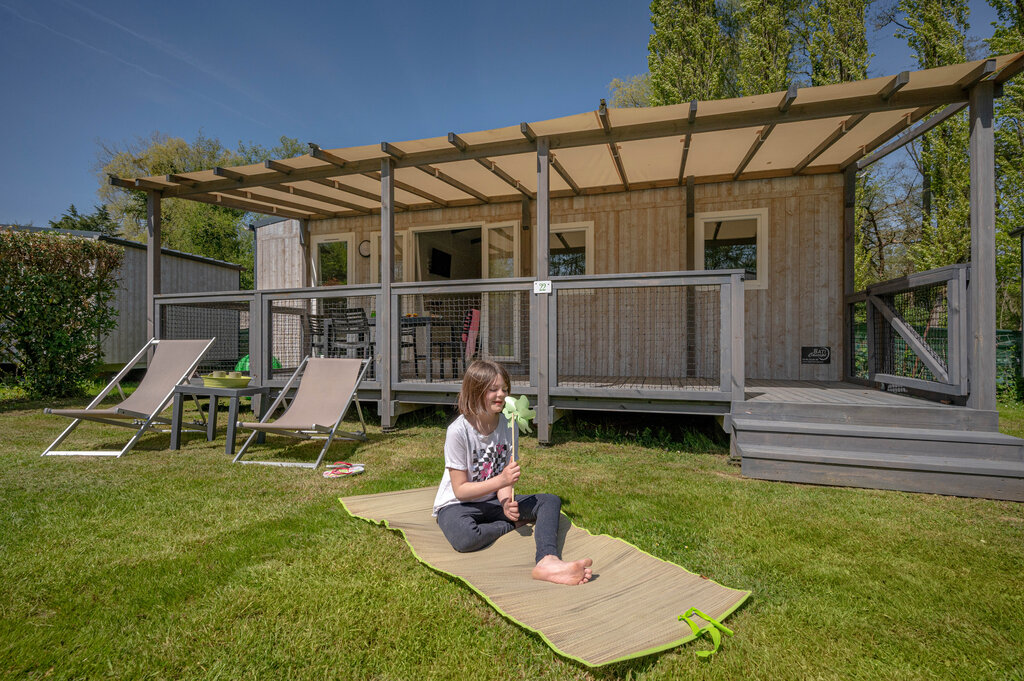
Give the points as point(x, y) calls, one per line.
point(670, 432)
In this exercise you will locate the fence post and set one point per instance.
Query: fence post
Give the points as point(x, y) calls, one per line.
point(738, 333)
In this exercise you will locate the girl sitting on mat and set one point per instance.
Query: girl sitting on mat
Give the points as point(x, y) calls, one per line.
point(475, 503)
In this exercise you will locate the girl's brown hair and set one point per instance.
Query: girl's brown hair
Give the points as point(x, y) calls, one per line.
point(479, 376)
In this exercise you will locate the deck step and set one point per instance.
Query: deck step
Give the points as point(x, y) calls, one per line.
point(943, 417)
point(957, 476)
point(878, 439)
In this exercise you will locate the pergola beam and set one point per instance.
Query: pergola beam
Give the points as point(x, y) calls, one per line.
point(894, 85)
point(564, 174)
point(979, 73)
point(230, 174)
point(321, 155)
point(306, 194)
point(457, 142)
point(911, 135)
point(844, 127)
point(412, 190)
point(392, 151)
point(249, 195)
point(508, 179)
point(256, 207)
point(613, 149)
point(895, 129)
point(355, 191)
point(451, 181)
point(759, 139)
point(788, 98)
point(278, 166)
point(528, 133)
point(181, 179)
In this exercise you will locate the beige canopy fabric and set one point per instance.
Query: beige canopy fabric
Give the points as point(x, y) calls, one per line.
point(631, 608)
point(810, 130)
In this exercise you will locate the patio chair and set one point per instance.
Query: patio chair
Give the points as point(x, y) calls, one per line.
point(462, 345)
point(327, 387)
point(173, 362)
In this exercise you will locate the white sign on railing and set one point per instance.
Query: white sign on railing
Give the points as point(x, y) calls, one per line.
point(542, 287)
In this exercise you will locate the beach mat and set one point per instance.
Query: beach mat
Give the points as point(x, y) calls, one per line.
point(630, 609)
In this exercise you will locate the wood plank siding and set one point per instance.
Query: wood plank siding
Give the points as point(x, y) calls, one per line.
point(645, 231)
point(177, 275)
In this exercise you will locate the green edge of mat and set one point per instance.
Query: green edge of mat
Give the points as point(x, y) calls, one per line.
point(632, 656)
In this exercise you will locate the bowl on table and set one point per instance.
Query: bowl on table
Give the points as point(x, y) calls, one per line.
point(223, 379)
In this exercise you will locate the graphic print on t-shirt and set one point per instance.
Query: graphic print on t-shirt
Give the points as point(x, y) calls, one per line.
point(489, 462)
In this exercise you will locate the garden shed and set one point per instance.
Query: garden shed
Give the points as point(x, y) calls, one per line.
point(694, 258)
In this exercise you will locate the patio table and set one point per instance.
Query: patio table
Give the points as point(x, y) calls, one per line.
point(214, 394)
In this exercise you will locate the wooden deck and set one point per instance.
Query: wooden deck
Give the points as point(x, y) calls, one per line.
point(831, 392)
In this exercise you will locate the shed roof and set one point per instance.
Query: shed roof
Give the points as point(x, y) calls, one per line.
point(810, 130)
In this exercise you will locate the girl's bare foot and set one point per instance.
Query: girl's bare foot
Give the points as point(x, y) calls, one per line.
point(553, 569)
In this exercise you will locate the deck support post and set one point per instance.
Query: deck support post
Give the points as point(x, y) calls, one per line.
point(152, 265)
point(982, 287)
point(307, 258)
point(689, 359)
point(387, 346)
point(849, 236)
point(541, 271)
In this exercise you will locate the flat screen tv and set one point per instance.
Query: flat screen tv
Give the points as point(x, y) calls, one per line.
point(440, 263)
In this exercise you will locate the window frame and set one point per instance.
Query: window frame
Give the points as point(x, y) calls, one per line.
point(314, 254)
point(760, 240)
point(586, 226)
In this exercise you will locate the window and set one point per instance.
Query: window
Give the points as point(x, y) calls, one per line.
point(571, 246)
point(399, 264)
point(734, 240)
point(332, 259)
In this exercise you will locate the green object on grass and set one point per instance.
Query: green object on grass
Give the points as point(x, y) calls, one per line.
point(713, 628)
point(243, 364)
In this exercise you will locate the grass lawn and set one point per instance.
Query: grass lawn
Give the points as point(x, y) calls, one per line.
point(178, 565)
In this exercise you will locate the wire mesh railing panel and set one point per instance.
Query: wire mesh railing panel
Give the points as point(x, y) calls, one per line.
point(227, 322)
point(439, 334)
point(649, 337)
point(925, 309)
point(858, 340)
point(341, 326)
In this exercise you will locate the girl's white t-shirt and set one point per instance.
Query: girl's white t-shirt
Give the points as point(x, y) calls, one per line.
point(481, 456)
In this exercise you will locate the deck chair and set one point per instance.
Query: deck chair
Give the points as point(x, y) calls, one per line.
point(173, 362)
point(327, 388)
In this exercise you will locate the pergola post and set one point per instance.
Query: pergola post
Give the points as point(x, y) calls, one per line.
point(849, 236)
point(541, 271)
point(387, 346)
point(152, 263)
point(982, 287)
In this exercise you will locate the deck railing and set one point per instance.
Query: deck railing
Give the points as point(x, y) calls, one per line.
point(659, 336)
point(911, 332)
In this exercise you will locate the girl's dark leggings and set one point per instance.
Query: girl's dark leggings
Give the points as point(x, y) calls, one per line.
point(470, 526)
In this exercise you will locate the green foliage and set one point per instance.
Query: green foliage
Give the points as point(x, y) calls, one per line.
point(632, 92)
point(1008, 37)
point(837, 41)
point(97, 221)
point(204, 229)
point(690, 55)
point(765, 47)
point(54, 307)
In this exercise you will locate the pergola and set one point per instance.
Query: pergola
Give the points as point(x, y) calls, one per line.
point(827, 129)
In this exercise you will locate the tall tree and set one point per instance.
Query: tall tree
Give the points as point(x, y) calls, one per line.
point(837, 41)
point(936, 32)
point(690, 56)
point(1008, 37)
point(765, 46)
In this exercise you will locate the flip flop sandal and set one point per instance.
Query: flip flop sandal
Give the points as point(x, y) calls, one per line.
point(342, 468)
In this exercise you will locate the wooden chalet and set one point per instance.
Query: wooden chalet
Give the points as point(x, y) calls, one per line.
point(693, 259)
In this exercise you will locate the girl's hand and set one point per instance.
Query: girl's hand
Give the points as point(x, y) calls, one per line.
point(510, 475)
point(511, 508)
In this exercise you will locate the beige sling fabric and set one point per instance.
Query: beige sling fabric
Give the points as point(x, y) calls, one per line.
point(629, 609)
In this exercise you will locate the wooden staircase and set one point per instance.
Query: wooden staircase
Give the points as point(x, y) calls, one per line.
point(928, 448)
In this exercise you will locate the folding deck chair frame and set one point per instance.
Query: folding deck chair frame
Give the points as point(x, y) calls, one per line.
point(139, 420)
point(317, 431)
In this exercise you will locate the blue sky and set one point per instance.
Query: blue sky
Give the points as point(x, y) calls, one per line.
point(340, 73)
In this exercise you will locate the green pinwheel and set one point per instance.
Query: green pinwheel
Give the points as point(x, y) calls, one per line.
point(519, 412)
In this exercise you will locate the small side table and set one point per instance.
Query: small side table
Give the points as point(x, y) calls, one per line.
point(214, 394)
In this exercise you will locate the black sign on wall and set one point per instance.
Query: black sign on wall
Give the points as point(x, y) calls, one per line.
point(815, 354)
